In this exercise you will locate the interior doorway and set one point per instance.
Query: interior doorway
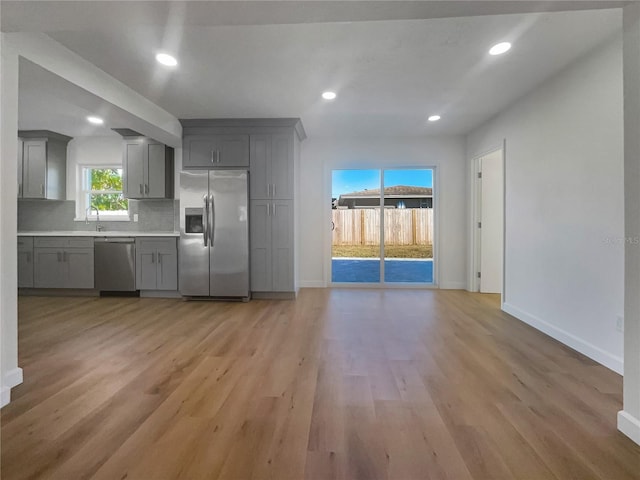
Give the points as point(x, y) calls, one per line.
point(382, 225)
point(490, 222)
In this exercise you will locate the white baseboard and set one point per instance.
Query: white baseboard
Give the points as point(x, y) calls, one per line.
point(453, 285)
point(5, 396)
point(312, 284)
point(12, 378)
point(603, 357)
point(629, 425)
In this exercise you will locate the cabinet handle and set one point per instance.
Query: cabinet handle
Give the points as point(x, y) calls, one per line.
point(274, 209)
point(218, 156)
point(146, 188)
point(159, 258)
point(212, 160)
point(153, 258)
point(269, 190)
point(274, 190)
point(42, 189)
point(141, 189)
point(268, 209)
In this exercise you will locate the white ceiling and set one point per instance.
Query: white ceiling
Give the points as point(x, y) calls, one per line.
point(389, 74)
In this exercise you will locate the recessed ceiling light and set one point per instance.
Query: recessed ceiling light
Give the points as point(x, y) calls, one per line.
point(500, 48)
point(95, 120)
point(329, 95)
point(166, 59)
point(434, 118)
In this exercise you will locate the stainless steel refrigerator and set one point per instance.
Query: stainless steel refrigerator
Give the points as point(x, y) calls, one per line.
point(214, 234)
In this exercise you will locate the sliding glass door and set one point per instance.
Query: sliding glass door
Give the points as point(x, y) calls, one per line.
point(382, 226)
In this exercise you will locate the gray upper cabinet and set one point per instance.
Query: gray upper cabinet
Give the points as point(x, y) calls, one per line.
point(25, 262)
point(272, 166)
point(148, 169)
point(216, 151)
point(42, 164)
point(63, 262)
point(156, 263)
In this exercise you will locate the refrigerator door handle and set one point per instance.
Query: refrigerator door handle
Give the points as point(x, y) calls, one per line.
point(212, 222)
point(205, 220)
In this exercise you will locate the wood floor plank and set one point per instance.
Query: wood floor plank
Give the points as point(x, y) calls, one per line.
point(338, 384)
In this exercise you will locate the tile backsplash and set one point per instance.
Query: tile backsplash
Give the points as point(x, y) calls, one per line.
point(54, 215)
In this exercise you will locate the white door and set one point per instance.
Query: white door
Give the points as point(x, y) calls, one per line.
point(491, 214)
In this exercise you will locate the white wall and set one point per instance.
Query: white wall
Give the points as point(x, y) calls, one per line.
point(321, 155)
point(564, 263)
point(629, 418)
point(10, 374)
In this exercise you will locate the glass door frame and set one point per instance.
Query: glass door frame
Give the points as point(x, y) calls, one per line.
point(436, 229)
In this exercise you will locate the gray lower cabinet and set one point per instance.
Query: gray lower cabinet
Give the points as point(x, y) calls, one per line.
point(215, 151)
point(25, 262)
point(272, 246)
point(63, 262)
point(156, 263)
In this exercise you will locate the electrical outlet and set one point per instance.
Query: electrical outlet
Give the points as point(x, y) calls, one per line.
point(620, 323)
point(135, 217)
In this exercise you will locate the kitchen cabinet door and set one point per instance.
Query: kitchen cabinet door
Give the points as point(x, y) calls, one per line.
point(134, 168)
point(156, 264)
point(167, 267)
point(282, 252)
point(260, 165)
point(271, 166)
point(213, 151)
point(146, 270)
point(200, 152)
point(233, 151)
point(282, 167)
point(79, 265)
point(25, 262)
point(49, 270)
point(260, 235)
point(155, 171)
point(34, 168)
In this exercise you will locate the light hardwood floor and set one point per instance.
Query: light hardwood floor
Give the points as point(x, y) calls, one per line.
point(345, 384)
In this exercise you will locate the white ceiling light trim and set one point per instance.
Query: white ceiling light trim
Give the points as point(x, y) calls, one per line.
point(500, 48)
point(166, 59)
point(329, 95)
point(95, 120)
point(434, 118)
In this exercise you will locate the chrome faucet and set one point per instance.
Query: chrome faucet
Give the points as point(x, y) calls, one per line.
point(99, 228)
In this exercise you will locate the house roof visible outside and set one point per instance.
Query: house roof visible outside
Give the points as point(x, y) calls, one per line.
point(395, 191)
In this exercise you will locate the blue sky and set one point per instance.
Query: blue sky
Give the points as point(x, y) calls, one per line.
point(346, 181)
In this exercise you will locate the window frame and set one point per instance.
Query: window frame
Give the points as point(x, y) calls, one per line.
point(83, 193)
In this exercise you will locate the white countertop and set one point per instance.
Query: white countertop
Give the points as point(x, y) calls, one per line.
point(92, 233)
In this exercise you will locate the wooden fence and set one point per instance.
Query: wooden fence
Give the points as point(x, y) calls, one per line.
point(402, 226)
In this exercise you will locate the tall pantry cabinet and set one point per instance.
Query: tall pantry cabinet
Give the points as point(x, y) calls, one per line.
point(273, 160)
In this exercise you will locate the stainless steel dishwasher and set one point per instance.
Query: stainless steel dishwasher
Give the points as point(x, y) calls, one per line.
point(115, 264)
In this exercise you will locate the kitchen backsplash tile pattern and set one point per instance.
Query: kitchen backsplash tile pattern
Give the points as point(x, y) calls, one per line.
point(51, 215)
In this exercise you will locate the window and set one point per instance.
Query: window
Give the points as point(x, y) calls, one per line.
point(101, 188)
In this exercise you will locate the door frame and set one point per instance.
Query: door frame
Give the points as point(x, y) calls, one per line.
point(436, 229)
point(476, 216)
